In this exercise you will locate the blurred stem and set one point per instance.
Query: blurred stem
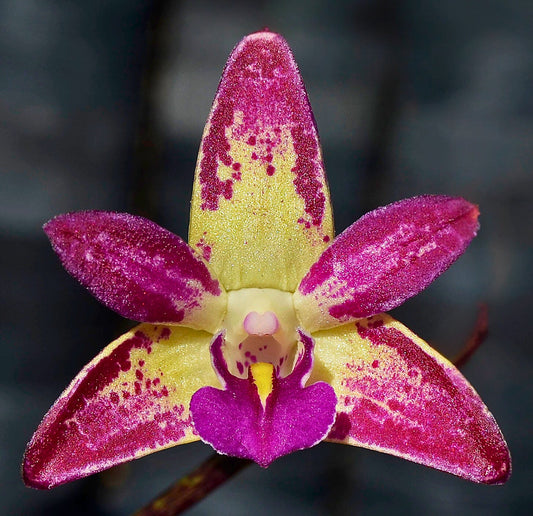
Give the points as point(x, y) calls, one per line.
point(195, 486)
point(478, 336)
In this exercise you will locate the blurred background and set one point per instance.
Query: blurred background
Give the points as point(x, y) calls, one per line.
point(102, 106)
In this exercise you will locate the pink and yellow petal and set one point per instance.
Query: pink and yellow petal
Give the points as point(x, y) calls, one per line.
point(260, 211)
point(264, 416)
point(138, 269)
point(384, 258)
point(398, 395)
point(131, 400)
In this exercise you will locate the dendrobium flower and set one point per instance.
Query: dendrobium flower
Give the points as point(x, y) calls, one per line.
point(264, 335)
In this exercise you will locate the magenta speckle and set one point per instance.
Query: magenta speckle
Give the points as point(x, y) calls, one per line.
point(86, 432)
point(396, 405)
point(375, 363)
point(440, 422)
point(141, 363)
point(341, 427)
point(157, 381)
point(204, 248)
point(138, 374)
point(206, 252)
point(147, 343)
point(326, 238)
point(236, 166)
point(164, 335)
point(308, 173)
point(131, 264)
point(270, 170)
point(391, 254)
point(107, 370)
point(261, 80)
point(138, 388)
point(240, 367)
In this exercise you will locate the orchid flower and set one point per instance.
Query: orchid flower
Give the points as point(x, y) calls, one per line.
point(265, 335)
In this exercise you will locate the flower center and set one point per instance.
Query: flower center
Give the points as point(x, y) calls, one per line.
point(260, 326)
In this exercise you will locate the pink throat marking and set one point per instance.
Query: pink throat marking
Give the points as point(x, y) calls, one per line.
point(261, 324)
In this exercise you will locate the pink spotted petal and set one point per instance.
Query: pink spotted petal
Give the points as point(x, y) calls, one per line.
point(398, 395)
point(137, 268)
point(235, 422)
point(260, 210)
point(131, 400)
point(384, 258)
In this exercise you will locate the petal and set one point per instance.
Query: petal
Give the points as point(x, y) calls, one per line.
point(397, 395)
point(131, 400)
point(260, 208)
point(384, 258)
point(137, 268)
point(263, 417)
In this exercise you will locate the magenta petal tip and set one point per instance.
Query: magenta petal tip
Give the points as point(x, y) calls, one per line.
point(410, 402)
point(133, 266)
point(386, 257)
point(115, 410)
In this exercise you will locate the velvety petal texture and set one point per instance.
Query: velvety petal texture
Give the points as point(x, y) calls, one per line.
point(263, 416)
point(260, 222)
point(260, 209)
point(384, 258)
point(131, 400)
point(137, 268)
point(398, 395)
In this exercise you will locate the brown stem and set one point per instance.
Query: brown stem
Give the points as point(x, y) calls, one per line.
point(475, 340)
point(195, 486)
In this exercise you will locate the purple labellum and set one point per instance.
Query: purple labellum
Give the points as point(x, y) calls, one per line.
point(132, 265)
point(237, 422)
point(388, 256)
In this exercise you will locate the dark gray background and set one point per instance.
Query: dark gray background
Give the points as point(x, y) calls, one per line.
point(102, 105)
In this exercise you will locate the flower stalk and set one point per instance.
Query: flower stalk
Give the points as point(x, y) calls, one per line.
point(195, 486)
